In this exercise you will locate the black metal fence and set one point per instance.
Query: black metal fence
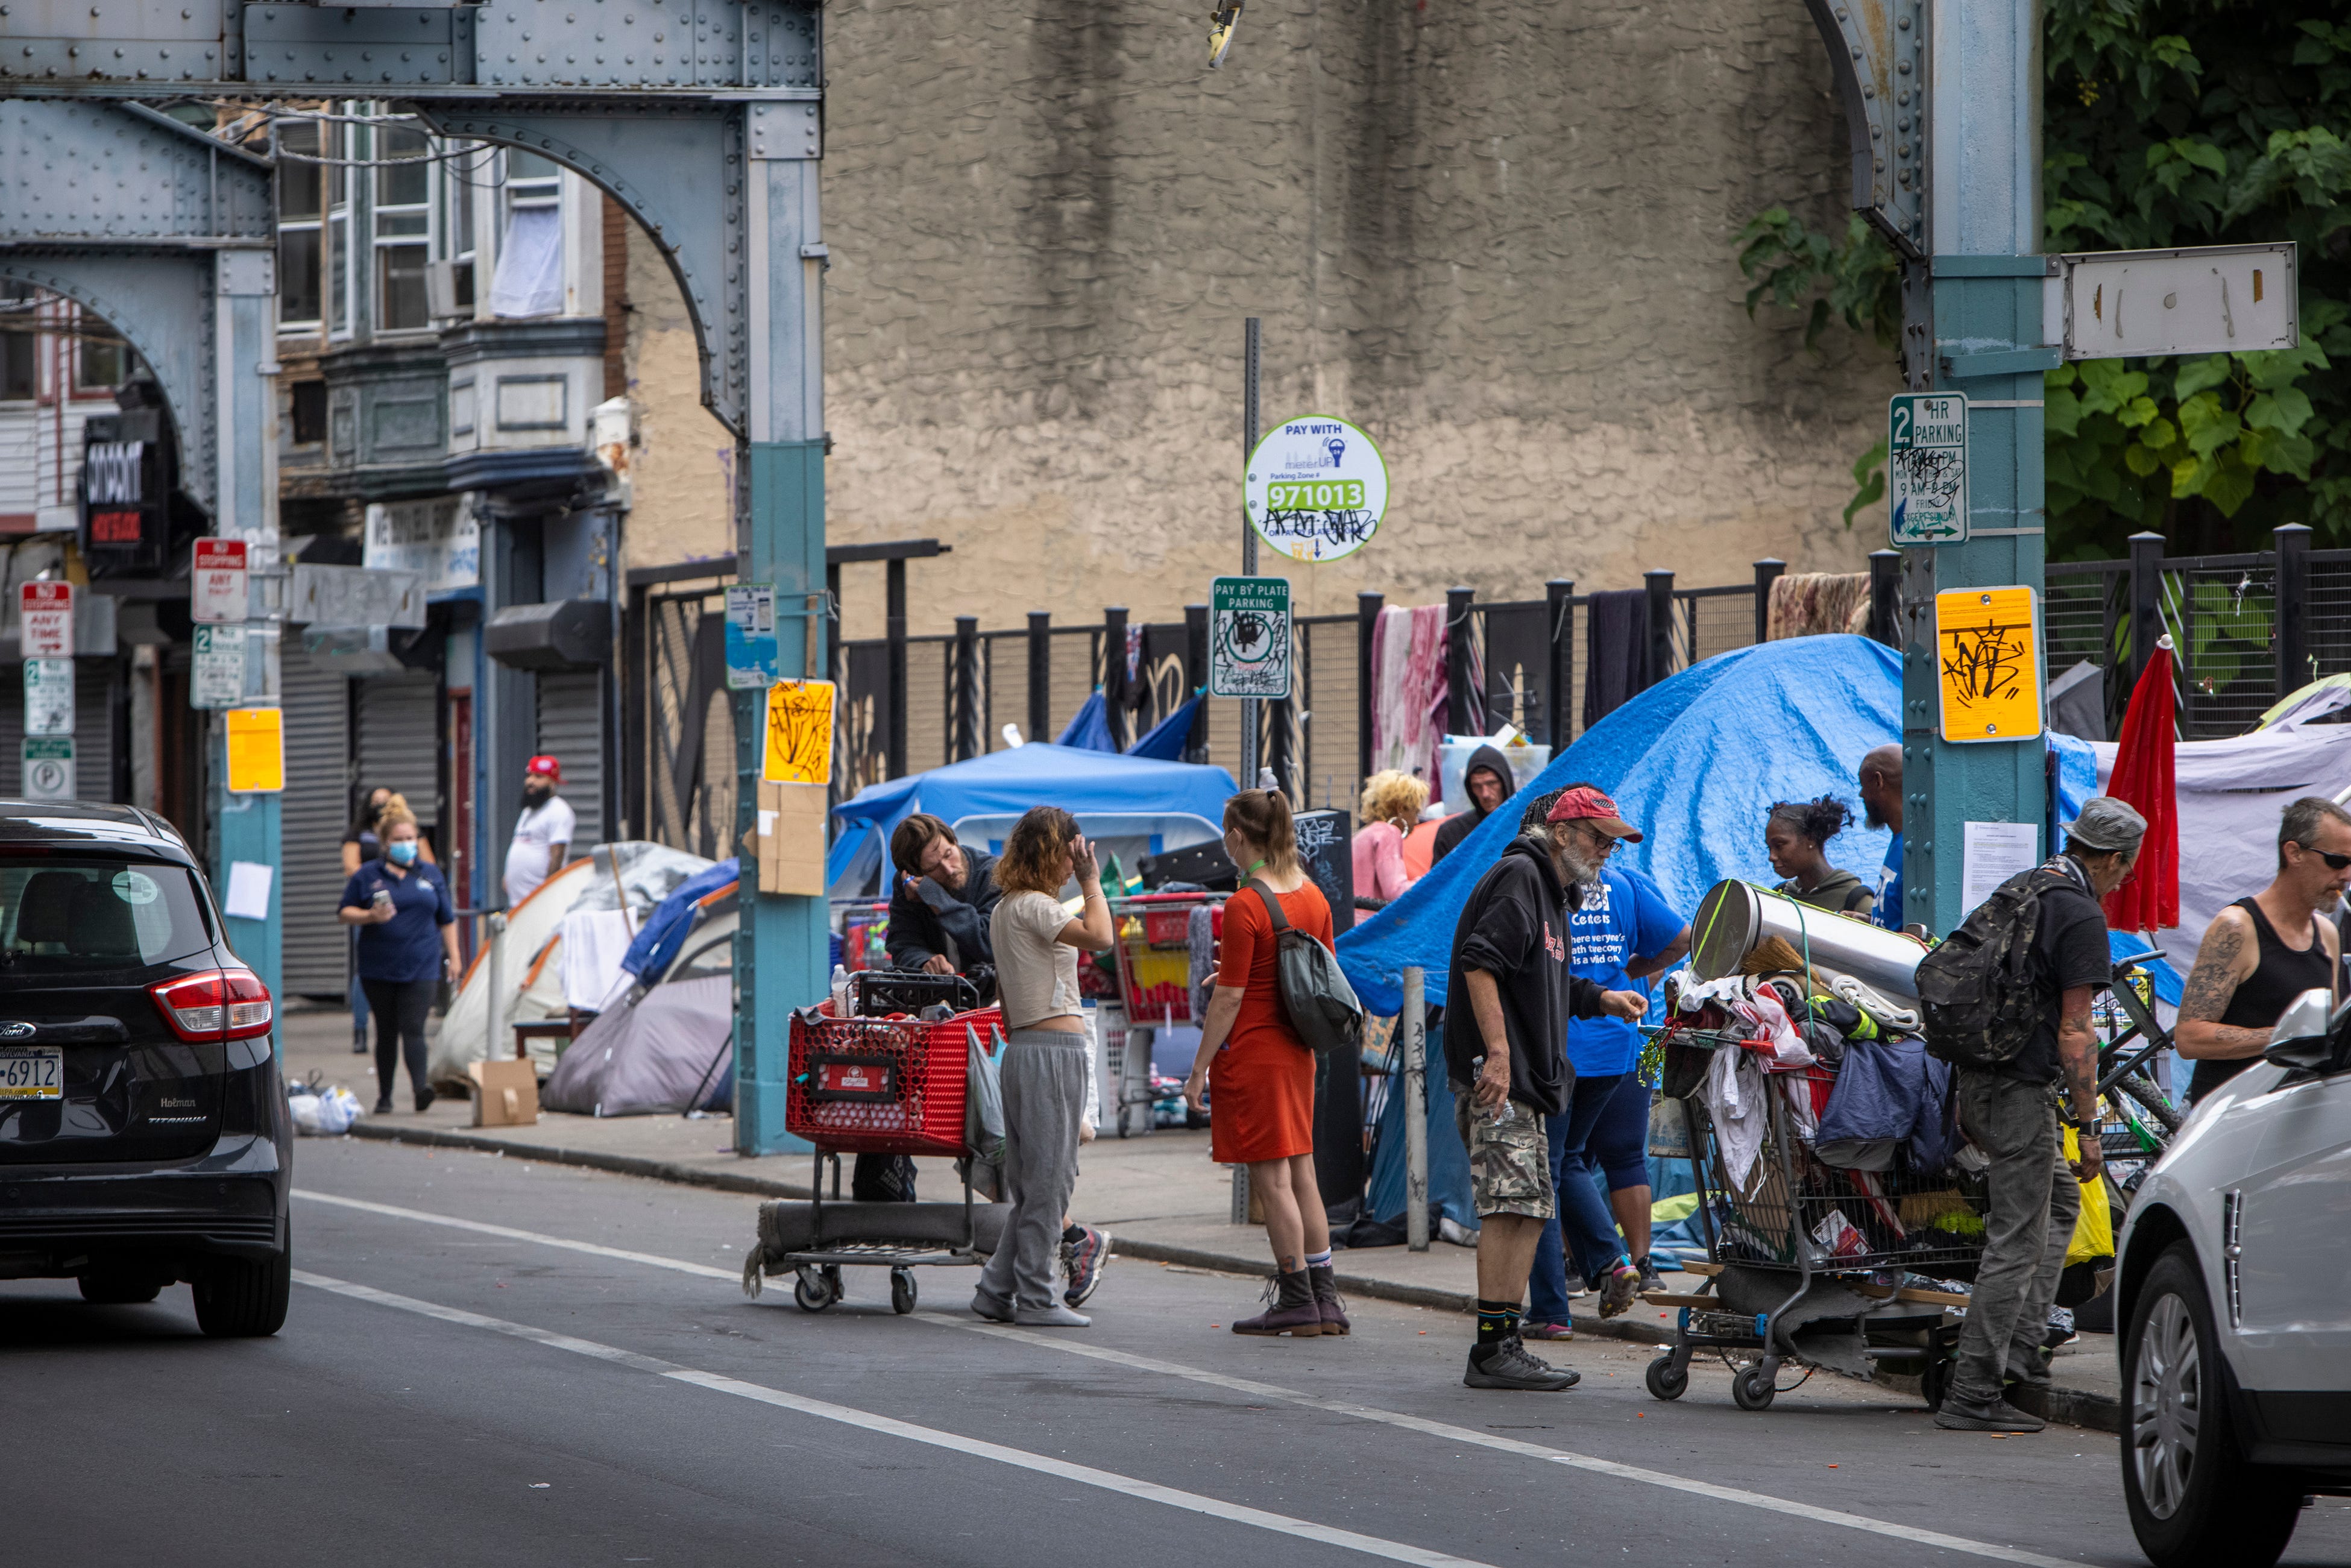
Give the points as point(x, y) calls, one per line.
point(2246, 630)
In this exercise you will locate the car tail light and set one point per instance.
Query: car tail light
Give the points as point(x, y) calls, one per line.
point(216, 1004)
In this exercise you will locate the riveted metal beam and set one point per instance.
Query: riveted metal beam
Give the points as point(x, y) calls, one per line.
point(1877, 51)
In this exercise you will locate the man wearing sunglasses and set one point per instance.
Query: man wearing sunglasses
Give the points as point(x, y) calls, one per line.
point(2261, 952)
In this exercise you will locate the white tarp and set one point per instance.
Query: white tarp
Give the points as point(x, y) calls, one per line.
point(2230, 793)
point(630, 874)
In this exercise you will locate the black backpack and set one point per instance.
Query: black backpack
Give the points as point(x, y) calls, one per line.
point(1315, 996)
point(1979, 998)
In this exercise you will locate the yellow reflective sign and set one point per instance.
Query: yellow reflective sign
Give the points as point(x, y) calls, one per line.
point(799, 733)
point(1987, 649)
point(256, 750)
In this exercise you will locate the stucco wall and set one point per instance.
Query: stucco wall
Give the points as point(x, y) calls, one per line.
point(1496, 235)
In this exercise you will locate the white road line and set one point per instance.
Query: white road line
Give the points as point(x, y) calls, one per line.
point(733, 1276)
point(1108, 1481)
point(1450, 1433)
point(1445, 1430)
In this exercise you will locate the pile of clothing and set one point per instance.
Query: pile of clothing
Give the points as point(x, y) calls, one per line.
point(1881, 1152)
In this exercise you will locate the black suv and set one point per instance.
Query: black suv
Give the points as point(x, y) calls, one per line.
point(143, 1130)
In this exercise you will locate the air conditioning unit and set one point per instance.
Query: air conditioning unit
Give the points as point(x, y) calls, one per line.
point(441, 290)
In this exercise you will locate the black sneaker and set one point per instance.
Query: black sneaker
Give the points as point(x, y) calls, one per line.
point(1649, 1280)
point(425, 1098)
point(1511, 1368)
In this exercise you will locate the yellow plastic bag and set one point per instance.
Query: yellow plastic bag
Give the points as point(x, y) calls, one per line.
point(2093, 1228)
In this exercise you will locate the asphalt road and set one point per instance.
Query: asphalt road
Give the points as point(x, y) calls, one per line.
point(571, 1374)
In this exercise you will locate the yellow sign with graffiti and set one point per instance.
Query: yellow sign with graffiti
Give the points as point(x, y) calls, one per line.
point(1988, 652)
point(799, 733)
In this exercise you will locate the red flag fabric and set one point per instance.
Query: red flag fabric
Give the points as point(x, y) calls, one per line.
point(2150, 901)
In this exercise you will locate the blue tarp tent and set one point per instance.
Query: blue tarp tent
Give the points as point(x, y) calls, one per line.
point(1695, 763)
point(1170, 735)
point(1088, 728)
point(1163, 805)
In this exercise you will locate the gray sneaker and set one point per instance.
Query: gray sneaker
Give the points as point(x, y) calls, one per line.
point(1960, 1415)
point(1511, 1368)
point(991, 1308)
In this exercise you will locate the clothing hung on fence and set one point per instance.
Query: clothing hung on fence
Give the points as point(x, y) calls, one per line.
point(1615, 651)
point(1807, 603)
point(1408, 704)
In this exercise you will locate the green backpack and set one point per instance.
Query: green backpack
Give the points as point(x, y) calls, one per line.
point(1979, 1002)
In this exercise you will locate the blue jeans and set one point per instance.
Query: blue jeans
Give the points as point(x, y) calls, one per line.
point(1583, 1217)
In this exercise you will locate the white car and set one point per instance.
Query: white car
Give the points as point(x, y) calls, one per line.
point(2234, 1297)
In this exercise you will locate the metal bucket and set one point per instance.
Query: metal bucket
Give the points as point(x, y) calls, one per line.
point(1735, 916)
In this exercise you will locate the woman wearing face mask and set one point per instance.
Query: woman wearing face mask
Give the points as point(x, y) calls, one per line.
point(407, 944)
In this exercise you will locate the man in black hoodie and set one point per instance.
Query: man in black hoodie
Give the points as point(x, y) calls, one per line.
point(1486, 782)
point(940, 900)
point(1510, 994)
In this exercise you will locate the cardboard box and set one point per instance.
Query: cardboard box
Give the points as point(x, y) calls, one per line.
point(505, 1093)
point(789, 836)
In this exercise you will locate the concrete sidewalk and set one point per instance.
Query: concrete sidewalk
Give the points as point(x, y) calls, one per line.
point(1160, 1195)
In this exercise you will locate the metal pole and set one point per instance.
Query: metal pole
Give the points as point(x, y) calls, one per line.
point(1367, 618)
point(1559, 612)
point(1250, 707)
point(1240, 1195)
point(969, 726)
point(1465, 709)
point(1766, 572)
point(2294, 662)
point(1885, 596)
point(1660, 583)
point(1041, 674)
point(1981, 66)
point(893, 630)
point(497, 995)
point(1196, 678)
point(1412, 1025)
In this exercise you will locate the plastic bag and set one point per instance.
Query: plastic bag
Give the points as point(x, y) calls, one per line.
point(2094, 1227)
point(323, 1113)
point(984, 1100)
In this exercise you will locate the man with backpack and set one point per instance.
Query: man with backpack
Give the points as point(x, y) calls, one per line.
point(2007, 1002)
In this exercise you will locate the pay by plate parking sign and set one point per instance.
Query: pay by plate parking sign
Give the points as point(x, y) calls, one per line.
point(1249, 637)
point(1926, 468)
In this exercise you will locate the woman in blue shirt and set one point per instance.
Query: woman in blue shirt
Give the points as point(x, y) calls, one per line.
point(407, 942)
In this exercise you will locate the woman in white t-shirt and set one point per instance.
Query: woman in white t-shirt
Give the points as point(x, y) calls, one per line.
point(1043, 1073)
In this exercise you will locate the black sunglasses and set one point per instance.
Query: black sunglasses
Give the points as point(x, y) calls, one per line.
point(2333, 862)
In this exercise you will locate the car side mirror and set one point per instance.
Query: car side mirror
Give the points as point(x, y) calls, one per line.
point(2303, 1036)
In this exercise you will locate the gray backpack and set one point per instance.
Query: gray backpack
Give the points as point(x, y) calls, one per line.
point(1315, 997)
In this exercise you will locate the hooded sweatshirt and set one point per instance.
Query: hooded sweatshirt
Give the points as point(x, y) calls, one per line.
point(1840, 890)
point(1514, 927)
point(1461, 824)
point(927, 919)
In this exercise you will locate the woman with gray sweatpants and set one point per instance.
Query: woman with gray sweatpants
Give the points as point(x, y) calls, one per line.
point(1043, 1073)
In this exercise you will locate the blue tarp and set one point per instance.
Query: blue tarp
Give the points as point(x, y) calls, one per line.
point(1088, 728)
point(665, 929)
point(1007, 783)
point(1694, 763)
point(1169, 736)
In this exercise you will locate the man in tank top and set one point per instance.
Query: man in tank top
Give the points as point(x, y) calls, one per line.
point(2262, 952)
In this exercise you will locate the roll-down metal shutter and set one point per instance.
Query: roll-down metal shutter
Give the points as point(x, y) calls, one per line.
point(571, 730)
point(313, 815)
point(399, 741)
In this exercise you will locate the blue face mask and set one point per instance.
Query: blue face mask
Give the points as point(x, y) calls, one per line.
point(401, 853)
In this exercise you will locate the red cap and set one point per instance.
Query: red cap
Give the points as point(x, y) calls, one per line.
point(1590, 806)
point(545, 768)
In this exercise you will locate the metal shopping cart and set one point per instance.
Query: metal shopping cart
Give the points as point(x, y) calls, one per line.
point(888, 1077)
point(1809, 1262)
point(1154, 985)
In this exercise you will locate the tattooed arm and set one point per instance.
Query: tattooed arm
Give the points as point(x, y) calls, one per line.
point(2226, 961)
point(2077, 1055)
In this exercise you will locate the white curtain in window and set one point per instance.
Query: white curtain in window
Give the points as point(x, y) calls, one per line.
point(530, 280)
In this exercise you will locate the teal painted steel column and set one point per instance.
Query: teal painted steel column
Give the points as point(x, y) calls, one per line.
point(1984, 206)
point(781, 949)
point(245, 827)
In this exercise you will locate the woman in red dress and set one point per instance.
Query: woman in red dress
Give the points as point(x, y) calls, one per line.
point(1261, 1075)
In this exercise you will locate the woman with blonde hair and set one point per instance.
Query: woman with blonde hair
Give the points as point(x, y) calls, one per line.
point(1043, 1069)
point(1260, 1073)
point(1392, 805)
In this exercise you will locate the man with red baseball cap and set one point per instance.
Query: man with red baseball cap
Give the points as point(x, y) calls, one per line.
point(542, 834)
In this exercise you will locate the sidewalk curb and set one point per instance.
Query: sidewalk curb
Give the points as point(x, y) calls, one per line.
point(2071, 1407)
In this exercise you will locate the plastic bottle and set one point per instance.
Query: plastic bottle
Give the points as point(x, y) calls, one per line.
point(840, 991)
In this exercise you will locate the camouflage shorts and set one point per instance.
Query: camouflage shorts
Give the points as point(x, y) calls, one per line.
point(1509, 1161)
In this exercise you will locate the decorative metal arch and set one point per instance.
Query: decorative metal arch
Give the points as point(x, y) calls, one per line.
point(129, 212)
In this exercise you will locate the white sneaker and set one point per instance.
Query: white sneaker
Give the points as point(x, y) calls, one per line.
point(1460, 1236)
point(1056, 1316)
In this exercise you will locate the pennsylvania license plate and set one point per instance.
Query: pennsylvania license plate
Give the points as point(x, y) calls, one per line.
point(32, 1073)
